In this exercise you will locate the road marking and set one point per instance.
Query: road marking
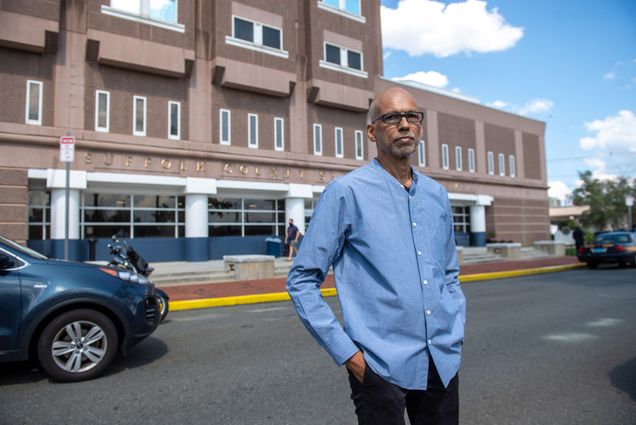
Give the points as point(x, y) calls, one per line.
point(570, 337)
point(263, 310)
point(195, 318)
point(604, 323)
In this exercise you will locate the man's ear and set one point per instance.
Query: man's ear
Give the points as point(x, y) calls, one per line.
point(371, 132)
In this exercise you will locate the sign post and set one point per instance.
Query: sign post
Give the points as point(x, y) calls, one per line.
point(67, 155)
point(629, 202)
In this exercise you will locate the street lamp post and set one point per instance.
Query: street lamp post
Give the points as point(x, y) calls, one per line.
point(629, 202)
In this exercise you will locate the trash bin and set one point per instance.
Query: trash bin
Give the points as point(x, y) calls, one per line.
point(273, 246)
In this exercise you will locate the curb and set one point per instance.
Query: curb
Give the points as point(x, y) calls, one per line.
point(330, 292)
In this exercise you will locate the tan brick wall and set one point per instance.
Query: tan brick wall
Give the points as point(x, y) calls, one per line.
point(518, 219)
point(13, 203)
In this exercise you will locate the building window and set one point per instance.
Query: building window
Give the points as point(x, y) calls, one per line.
point(225, 121)
point(174, 120)
point(161, 13)
point(279, 134)
point(246, 217)
point(342, 59)
point(458, 158)
point(491, 163)
point(461, 219)
point(132, 215)
point(348, 8)
point(359, 144)
point(39, 220)
point(33, 110)
point(502, 164)
point(421, 153)
point(471, 160)
point(252, 130)
point(139, 116)
point(339, 144)
point(512, 167)
point(102, 111)
point(317, 139)
point(256, 36)
point(445, 160)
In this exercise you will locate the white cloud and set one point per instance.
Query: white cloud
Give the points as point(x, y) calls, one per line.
point(422, 27)
point(599, 169)
point(431, 78)
point(609, 76)
point(499, 104)
point(616, 132)
point(536, 106)
point(559, 190)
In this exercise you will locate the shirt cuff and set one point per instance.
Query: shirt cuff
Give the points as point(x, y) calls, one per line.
point(342, 348)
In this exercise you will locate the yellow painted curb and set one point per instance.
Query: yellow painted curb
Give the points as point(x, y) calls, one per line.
point(330, 292)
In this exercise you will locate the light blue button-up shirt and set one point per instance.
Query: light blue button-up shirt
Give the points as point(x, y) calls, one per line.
point(396, 273)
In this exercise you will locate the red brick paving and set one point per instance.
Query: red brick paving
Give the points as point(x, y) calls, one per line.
point(263, 286)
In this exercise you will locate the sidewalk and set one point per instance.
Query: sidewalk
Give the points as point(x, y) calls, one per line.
point(206, 295)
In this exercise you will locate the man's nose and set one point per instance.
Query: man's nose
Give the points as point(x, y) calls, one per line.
point(403, 124)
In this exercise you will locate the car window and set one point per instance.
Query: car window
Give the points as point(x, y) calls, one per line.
point(613, 239)
point(22, 249)
point(8, 261)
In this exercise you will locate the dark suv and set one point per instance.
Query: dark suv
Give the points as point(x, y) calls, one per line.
point(610, 247)
point(72, 317)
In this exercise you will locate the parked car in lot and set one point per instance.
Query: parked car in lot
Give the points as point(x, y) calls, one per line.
point(72, 317)
point(610, 247)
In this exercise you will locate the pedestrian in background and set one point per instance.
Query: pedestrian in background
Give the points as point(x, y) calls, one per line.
point(387, 230)
point(579, 238)
point(291, 239)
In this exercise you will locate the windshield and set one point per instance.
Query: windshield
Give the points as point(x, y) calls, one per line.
point(22, 249)
point(620, 238)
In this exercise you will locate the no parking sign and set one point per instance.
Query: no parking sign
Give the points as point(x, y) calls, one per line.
point(67, 148)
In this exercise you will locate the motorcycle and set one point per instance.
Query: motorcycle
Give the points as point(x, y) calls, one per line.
point(125, 257)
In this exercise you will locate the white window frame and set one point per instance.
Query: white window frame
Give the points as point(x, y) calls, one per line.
point(178, 105)
point(491, 163)
point(229, 127)
point(359, 143)
point(108, 10)
point(344, 60)
point(249, 131)
point(471, 160)
point(512, 166)
point(145, 121)
point(338, 142)
point(317, 139)
point(27, 103)
point(458, 158)
point(341, 10)
point(421, 153)
point(281, 135)
point(502, 164)
point(257, 43)
point(105, 129)
point(445, 157)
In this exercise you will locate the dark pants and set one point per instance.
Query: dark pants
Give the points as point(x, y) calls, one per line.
point(380, 402)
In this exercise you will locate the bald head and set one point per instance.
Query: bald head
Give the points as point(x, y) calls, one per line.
point(385, 98)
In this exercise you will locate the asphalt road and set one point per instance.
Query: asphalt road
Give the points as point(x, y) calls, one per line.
point(550, 349)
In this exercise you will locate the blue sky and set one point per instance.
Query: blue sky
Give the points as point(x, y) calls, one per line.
point(569, 63)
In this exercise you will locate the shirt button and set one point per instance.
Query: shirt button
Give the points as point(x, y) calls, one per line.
point(428, 312)
point(429, 342)
point(419, 252)
point(410, 196)
point(414, 224)
point(425, 282)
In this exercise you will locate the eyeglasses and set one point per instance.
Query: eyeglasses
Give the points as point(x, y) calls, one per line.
point(392, 118)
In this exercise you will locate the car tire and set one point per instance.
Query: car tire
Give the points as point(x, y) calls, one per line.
point(77, 345)
point(592, 265)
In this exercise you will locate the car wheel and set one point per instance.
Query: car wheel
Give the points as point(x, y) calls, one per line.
point(592, 265)
point(77, 345)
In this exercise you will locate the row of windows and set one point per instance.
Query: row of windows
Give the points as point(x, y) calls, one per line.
point(459, 166)
point(338, 141)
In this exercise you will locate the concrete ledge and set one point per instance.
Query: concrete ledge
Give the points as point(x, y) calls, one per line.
point(510, 251)
point(553, 248)
point(330, 292)
point(247, 267)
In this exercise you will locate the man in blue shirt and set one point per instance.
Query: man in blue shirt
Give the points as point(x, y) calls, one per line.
point(387, 230)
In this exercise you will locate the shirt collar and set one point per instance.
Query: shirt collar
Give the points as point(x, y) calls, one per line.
point(391, 178)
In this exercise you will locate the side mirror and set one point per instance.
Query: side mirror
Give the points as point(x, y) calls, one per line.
point(6, 262)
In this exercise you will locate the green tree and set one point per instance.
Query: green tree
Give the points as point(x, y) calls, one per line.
point(606, 199)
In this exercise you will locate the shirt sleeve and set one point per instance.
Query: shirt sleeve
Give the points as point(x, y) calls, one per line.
point(452, 264)
point(321, 246)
